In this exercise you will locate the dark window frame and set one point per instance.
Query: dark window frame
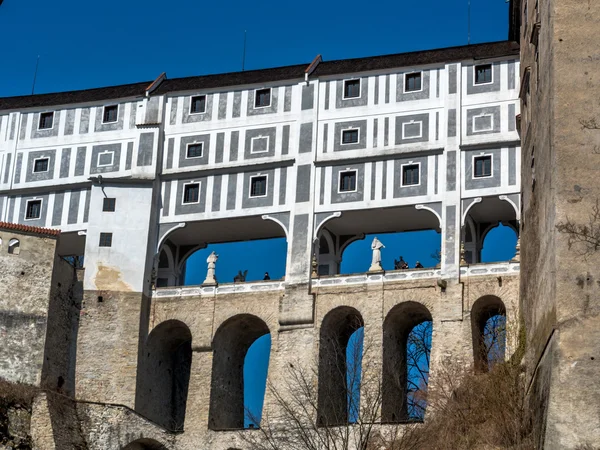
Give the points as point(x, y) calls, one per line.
point(194, 144)
point(264, 179)
point(479, 171)
point(350, 132)
point(109, 204)
point(40, 160)
point(105, 240)
point(190, 196)
point(342, 187)
point(198, 100)
point(30, 209)
point(408, 77)
point(259, 101)
point(409, 172)
point(109, 111)
point(481, 72)
point(42, 124)
point(349, 87)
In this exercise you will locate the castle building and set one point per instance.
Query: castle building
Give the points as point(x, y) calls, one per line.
point(138, 177)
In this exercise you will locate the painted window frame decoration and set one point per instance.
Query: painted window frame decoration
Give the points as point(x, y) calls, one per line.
point(483, 130)
point(106, 152)
point(187, 150)
point(345, 90)
point(42, 158)
point(406, 80)
point(254, 139)
point(43, 116)
point(105, 239)
point(251, 182)
point(348, 130)
point(405, 166)
point(106, 112)
point(341, 173)
point(109, 204)
point(412, 122)
point(194, 98)
point(39, 211)
point(257, 93)
point(474, 164)
point(481, 83)
point(183, 193)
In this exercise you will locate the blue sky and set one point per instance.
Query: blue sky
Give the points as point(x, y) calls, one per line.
point(85, 44)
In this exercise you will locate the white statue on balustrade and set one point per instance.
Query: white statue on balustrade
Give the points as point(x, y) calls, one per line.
point(376, 246)
point(211, 279)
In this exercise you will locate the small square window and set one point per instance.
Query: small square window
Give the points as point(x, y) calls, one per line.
point(350, 136)
point(109, 204)
point(412, 82)
point(191, 193)
point(198, 104)
point(105, 240)
point(46, 121)
point(194, 150)
point(33, 209)
point(410, 174)
point(105, 159)
point(258, 186)
point(262, 98)
point(482, 166)
point(111, 114)
point(351, 89)
point(40, 165)
point(348, 181)
point(483, 74)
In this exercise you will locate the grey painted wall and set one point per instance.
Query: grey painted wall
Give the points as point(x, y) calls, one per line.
point(306, 137)
point(194, 208)
point(480, 183)
point(493, 110)
point(270, 132)
point(483, 88)
point(303, 183)
point(40, 176)
point(451, 171)
point(410, 191)
point(200, 117)
point(145, 149)
point(51, 132)
point(118, 125)
point(308, 96)
point(254, 202)
point(401, 120)
point(65, 162)
point(97, 149)
point(41, 222)
point(358, 101)
point(183, 143)
point(344, 197)
point(362, 135)
point(272, 109)
point(402, 96)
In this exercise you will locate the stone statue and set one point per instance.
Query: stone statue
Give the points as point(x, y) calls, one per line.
point(376, 246)
point(211, 279)
point(240, 277)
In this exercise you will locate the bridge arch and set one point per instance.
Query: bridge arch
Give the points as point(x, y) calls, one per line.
point(488, 328)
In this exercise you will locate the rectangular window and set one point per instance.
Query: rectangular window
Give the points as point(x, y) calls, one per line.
point(40, 165)
point(191, 193)
point(198, 104)
point(347, 181)
point(109, 204)
point(111, 114)
point(194, 150)
point(262, 98)
point(351, 89)
point(105, 240)
point(483, 74)
point(259, 144)
point(482, 166)
point(105, 159)
point(410, 174)
point(350, 136)
point(412, 82)
point(33, 209)
point(258, 186)
point(46, 121)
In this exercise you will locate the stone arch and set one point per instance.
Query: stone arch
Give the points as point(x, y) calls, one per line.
point(397, 326)
point(336, 328)
point(14, 247)
point(484, 309)
point(144, 444)
point(230, 345)
point(164, 375)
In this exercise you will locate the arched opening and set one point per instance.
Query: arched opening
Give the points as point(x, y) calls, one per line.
point(488, 325)
point(14, 247)
point(489, 230)
point(411, 235)
point(230, 346)
point(144, 444)
point(162, 382)
point(406, 352)
point(340, 357)
point(256, 367)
